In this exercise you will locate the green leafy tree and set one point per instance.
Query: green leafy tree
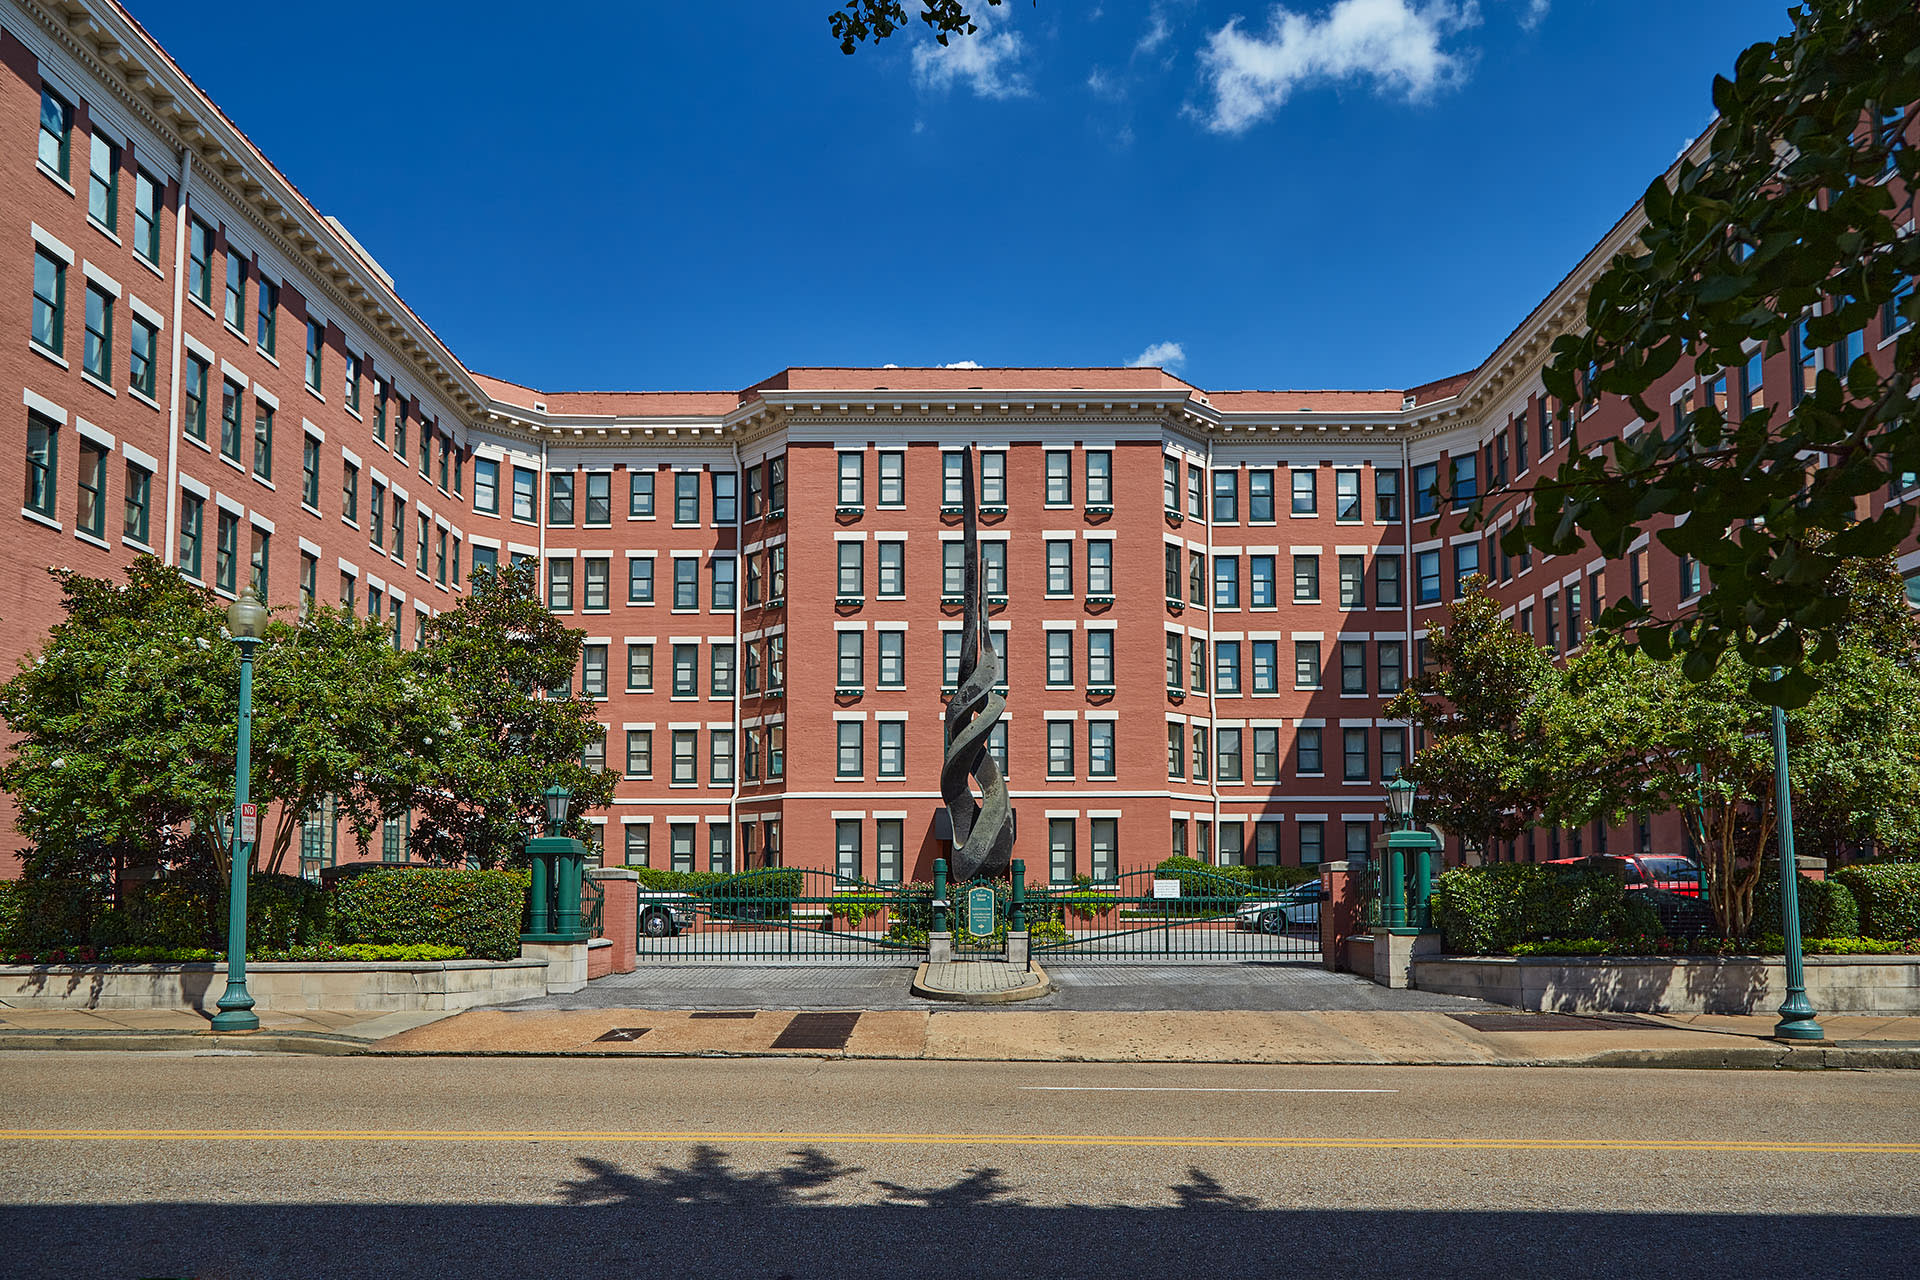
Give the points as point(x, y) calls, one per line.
point(508, 662)
point(127, 723)
point(1794, 213)
point(1479, 704)
point(861, 20)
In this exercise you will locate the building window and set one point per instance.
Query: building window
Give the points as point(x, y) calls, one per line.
point(639, 841)
point(640, 667)
point(1170, 485)
point(139, 488)
point(226, 552)
point(893, 748)
point(686, 497)
point(235, 299)
point(720, 760)
point(680, 845)
point(893, 569)
point(257, 562)
point(1266, 755)
point(200, 261)
point(56, 133)
point(1232, 837)
point(853, 479)
point(1059, 478)
point(776, 486)
point(599, 510)
point(1313, 843)
point(893, 659)
point(1426, 565)
point(1689, 577)
point(851, 673)
point(726, 498)
point(993, 478)
point(1227, 765)
point(1353, 666)
point(1306, 664)
point(1346, 497)
point(1466, 563)
point(560, 498)
point(1059, 659)
point(849, 754)
point(1261, 591)
point(1226, 582)
point(191, 512)
point(560, 584)
point(640, 580)
point(993, 569)
point(1260, 496)
point(893, 483)
point(1353, 582)
point(1202, 753)
point(266, 329)
point(846, 847)
point(1426, 489)
point(486, 486)
point(1226, 666)
point(1099, 478)
point(888, 845)
point(141, 357)
point(1100, 568)
point(640, 495)
point(852, 568)
point(1176, 751)
point(686, 670)
point(1305, 499)
point(1100, 659)
point(683, 758)
point(595, 594)
point(90, 515)
point(1306, 579)
point(1266, 666)
point(1197, 664)
point(1060, 868)
point(1196, 500)
point(316, 344)
point(1393, 753)
point(1226, 497)
point(686, 584)
point(1386, 495)
point(524, 489)
point(49, 302)
point(1059, 567)
point(1390, 659)
point(1059, 748)
point(97, 356)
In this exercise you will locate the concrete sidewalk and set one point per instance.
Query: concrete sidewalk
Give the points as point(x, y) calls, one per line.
point(1352, 1037)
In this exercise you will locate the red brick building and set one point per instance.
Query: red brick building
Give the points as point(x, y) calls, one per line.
point(1205, 597)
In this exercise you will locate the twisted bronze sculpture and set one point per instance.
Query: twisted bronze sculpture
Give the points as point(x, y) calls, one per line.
point(982, 828)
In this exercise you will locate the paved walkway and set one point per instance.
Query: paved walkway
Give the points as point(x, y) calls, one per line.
point(310, 1031)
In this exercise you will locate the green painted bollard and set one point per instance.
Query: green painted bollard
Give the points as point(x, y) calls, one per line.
point(1394, 910)
point(1017, 917)
point(939, 895)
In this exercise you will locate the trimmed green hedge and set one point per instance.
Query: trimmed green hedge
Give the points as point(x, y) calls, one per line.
point(773, 882)
point(1198, 880)
point(282, 912)
point(1889, 897)
point(39, 914)
point(479, 912)
point(1827, 908)
point(1491, 910)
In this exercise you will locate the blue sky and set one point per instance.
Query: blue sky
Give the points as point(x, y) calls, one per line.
point(1369, 193)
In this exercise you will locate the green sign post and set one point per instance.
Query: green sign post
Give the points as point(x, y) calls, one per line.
point(980, 910)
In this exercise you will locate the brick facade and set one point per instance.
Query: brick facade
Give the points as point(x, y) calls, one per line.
point(703, 534)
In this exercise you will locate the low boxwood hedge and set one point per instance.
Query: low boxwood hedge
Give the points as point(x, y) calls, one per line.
point(1491, 910)
point(479, 912)
point(1888, 894)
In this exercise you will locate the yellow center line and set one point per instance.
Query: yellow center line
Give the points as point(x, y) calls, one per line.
point(950, 1139)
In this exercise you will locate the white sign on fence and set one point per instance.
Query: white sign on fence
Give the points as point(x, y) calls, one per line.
point(1166, 888)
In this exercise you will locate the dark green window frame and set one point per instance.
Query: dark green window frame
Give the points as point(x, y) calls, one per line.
point(49, 302)
point(56, 133)
point(43, 464)
point(138, 504)
point(96, 356)
point(103, 181)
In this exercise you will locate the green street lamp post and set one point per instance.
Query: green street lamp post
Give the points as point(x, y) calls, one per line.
point(1797, 1020)
point(1401, 912)
point(247, 624)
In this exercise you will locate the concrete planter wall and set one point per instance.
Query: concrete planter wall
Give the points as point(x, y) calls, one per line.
point(389, 987)
point(1690, 984)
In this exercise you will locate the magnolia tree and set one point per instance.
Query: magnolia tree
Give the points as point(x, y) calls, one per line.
point(1478, 707)
point(1789, 236)
point(509, 661)
point(127, 726)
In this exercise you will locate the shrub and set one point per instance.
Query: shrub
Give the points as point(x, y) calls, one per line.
point(11, 905)
point(191, 911)
point(771, 882)
point(1491, 910)
point(1198, 880)
point(1889, 897)
point(1827, 908)
point(479, 912)
point(42, 914)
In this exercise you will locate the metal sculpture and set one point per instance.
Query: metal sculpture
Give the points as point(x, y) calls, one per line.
point(983, 827)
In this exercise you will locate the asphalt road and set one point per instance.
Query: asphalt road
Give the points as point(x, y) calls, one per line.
point(1082, 985)
point(227, 1166)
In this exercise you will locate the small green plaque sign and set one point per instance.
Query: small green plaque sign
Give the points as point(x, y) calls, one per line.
point(980, 910)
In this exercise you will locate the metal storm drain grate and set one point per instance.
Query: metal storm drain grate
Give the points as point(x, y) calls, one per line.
point(817, 1031)
point(1551, 1021)
point(623, 1033)
point(722, 1013)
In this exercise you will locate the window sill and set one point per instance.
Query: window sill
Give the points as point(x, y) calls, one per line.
point(350, 407)
point(94, 380)
point(266, 353)
point(309, 508)
point(850, 509)
point(145, 399)
point(104, 230)
point(315, 394)
point(235, 330)
point(1096, 601)
point(265, 483)
point(1099, 509)
point(137, 545)
point(149, 264)
point(92, 539)
point(56, 179)
point(233, 463)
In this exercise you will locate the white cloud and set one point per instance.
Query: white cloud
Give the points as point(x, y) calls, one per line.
point(1536, 14)
point(1161, 355)
point(1397, 46)
point(964, 364)
point(1156, 33)
point(987, 62)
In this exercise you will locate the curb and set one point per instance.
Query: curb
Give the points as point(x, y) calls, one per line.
point(307, 1042)
point(1041, 986)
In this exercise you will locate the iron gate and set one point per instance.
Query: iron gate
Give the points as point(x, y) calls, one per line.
point(785, 913)
point(1141, 918)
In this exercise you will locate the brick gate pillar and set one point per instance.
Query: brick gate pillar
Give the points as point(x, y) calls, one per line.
point(1339, 912)
point(620, 914)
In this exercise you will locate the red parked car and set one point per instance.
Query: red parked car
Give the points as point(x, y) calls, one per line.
point(1668, 871)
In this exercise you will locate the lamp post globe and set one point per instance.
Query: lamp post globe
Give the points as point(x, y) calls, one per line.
point(557, 798)
point(247, 624)
point(1400, 800)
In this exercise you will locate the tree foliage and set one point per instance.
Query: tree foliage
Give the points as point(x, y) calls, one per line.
point(861, 20)
point(504, 656)
point(1478, 704)
point(1796, 209)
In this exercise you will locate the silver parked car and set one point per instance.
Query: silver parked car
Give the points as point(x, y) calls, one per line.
point(664, 913)
point(1295, 908)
